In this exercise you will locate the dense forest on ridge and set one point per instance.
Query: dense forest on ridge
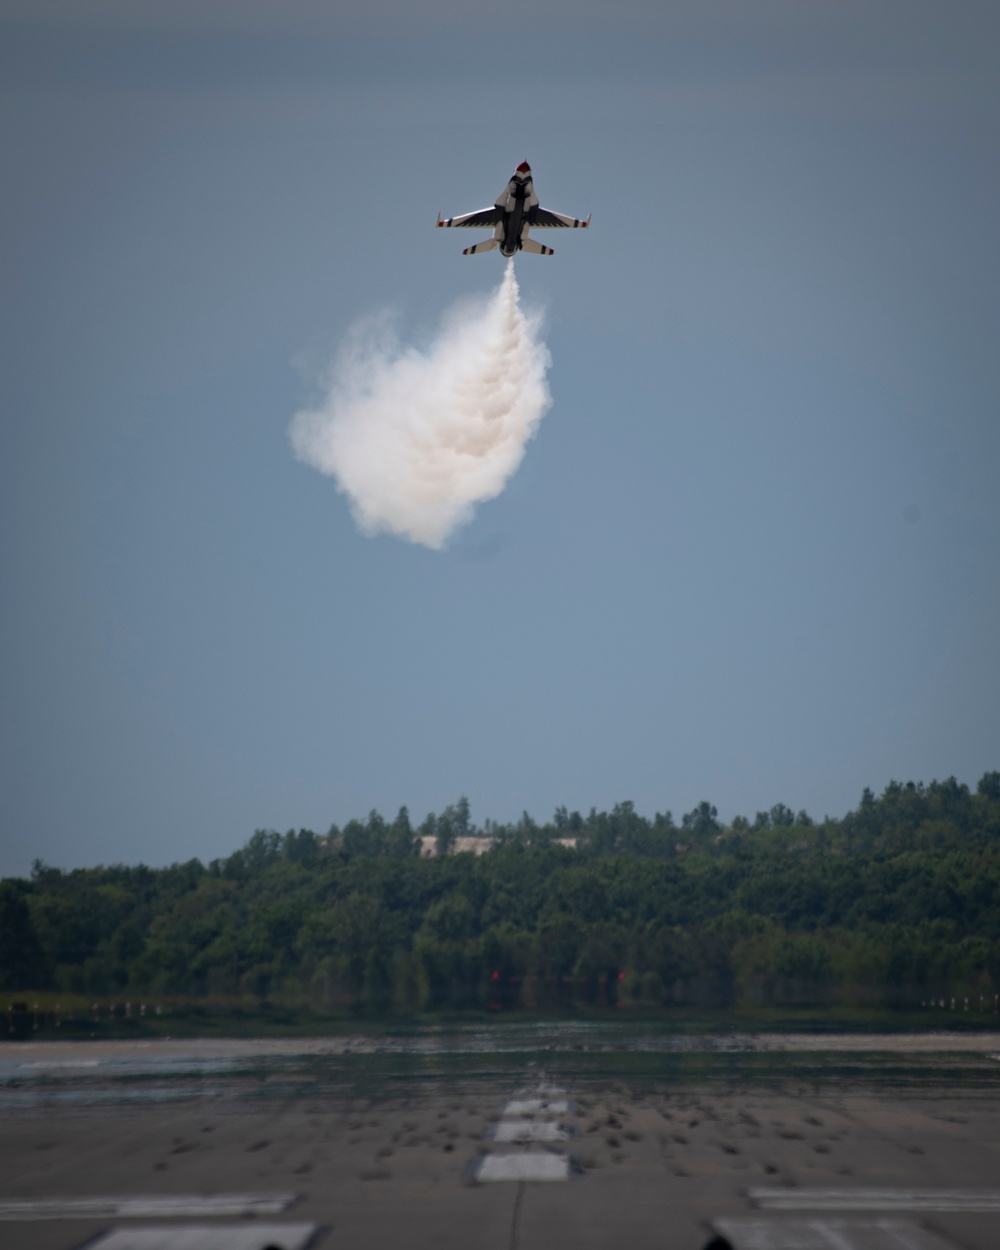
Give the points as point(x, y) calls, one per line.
point(895, 903)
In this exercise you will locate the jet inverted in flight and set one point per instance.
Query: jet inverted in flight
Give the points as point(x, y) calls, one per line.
point(515, 212)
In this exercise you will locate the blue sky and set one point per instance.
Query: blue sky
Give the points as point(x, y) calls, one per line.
point(751, 555)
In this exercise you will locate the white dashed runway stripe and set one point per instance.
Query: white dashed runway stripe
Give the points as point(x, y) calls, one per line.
point(876, 1199)
point(533, 1118)
point(52, 1064)
point(149, 1206)
point(538, 1106)
point(521, 1167)
point(207, 1237)
point(818, 1234)
point(529, 1130)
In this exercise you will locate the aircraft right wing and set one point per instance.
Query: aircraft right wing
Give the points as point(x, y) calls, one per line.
point(538, 217)
point(484, 217)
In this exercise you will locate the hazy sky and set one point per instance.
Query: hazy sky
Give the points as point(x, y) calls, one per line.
point(752, 553)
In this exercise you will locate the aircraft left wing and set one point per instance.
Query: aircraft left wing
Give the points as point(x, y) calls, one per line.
point(540, 217)
point(484, 217)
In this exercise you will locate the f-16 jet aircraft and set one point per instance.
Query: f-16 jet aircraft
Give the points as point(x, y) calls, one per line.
point(515, 212)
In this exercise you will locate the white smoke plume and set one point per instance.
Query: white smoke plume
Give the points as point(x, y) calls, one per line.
point(416, 439)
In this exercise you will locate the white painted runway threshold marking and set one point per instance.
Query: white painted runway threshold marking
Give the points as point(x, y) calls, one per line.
point(150, 1206)
point(876, 1199)
point(207, 1237)
point(819, 1234)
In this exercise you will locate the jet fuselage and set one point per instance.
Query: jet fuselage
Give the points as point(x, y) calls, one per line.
point(519, 191)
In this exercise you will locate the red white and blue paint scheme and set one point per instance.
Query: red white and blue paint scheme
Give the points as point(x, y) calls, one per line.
point(515, 212)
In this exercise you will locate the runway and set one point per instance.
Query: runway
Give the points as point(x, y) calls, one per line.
point(655, 1150)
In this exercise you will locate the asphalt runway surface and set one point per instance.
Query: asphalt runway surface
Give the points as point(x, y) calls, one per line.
point(501, 1143)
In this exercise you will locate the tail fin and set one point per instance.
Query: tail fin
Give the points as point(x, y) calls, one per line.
point(487, 245)
point(532, 245)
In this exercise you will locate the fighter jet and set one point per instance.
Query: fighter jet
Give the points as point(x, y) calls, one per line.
point(515, 212)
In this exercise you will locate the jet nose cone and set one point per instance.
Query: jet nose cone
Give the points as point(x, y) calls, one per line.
point(523, 168)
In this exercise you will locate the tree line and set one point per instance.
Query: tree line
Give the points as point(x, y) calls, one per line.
point(895, 903)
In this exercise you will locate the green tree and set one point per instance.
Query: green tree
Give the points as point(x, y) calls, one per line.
point(24, 964)
point(401, 842)
point(701, 824)
point(989, 786)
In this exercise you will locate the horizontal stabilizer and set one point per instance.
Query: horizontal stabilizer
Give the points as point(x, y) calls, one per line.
point(532, 245)
point(487, 245)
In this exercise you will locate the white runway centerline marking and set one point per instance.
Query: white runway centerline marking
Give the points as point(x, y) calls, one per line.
point(522, 1167)
point(61, 1063)
point(528, 1130)
point(145, 1206)
point(537, 1106)
point(527, 1120)
point(762, 1234)
point(205, 1237)
point(876, 1199)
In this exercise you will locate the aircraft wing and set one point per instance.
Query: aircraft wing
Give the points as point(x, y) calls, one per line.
point(484, 217)
point(539, 217)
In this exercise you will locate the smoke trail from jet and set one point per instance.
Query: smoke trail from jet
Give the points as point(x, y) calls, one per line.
point(416, 439)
